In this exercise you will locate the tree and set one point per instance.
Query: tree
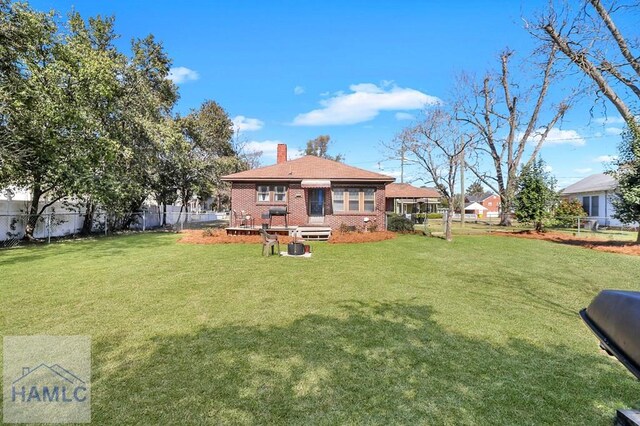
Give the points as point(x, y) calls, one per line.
point(140, 124)
point(536, 195)
point(436, 144)
point(596, 46)
point(319, 147)
point(475, 189)
point(54, 88)
point(568, 211)
point(627, 197)
point(203, 154)
point(506, 116)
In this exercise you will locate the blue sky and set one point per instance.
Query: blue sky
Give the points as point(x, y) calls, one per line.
point(288, 71)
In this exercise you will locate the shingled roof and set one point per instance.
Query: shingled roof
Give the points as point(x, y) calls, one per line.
point(479, 198)
point(308, 167)
point(593, 183)
point(404, 190)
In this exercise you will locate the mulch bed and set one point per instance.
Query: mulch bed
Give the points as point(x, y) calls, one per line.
point(338, 237)
point(611, 246)
point(220, 236)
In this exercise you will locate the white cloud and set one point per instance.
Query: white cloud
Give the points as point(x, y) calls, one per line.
point(298, 90)
point(583, 171)
point(548, 168)
point(246, 124)
point(182, 74)
point(558, 137)
point(364, 103)
point(605, 159)
point(613, 130)
point(269, 149)
point(609, 120)
point(392, 173)
point(404, 116)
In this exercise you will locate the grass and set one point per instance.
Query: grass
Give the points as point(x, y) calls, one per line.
point(483, 330)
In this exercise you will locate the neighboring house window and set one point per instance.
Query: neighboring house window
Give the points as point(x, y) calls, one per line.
point(595, 206)
point(586, 204)
point(338, 200)
point(591, 205)
point(358, 200)
point(272, 193)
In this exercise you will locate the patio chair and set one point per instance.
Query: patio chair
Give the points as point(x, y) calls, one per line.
point(238, 220)
point(269, 241)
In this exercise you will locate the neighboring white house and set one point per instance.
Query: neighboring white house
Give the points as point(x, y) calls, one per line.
point(595, 193)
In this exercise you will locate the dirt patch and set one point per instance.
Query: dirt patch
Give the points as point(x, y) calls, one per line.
point(594, 243)
point(219, 236)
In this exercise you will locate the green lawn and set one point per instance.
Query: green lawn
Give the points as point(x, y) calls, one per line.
point(484, 330)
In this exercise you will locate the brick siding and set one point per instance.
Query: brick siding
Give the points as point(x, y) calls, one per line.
point(244, 197)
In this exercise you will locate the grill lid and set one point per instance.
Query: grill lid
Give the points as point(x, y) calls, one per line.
point(614, 317)
point(278, 211)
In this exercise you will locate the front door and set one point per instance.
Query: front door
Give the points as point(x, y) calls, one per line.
point(316, 203)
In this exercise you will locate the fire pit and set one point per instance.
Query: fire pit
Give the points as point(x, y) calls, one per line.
point(295, 249)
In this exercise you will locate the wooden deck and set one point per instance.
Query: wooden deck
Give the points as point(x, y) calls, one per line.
point(318, 233)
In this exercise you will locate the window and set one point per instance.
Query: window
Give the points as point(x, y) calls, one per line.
point(263, 193)
point(338, 200)
point(280, 193)
point(358, 200)
point(369, 199)
point(586, 205)
point(591, 205)
point(354, 200)
point(595, 206)
point(272, 193)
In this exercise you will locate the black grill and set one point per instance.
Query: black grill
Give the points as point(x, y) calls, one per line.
point(278, 211)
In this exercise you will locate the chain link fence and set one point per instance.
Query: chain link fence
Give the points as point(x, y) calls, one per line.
point(590, 224)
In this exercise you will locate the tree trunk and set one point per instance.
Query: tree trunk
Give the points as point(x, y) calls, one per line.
point(87, 224)
point(447, 229)
point(164, 214)
point(505, 212)
point(32, 219)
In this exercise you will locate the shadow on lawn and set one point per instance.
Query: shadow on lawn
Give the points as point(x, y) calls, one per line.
point(386, 363)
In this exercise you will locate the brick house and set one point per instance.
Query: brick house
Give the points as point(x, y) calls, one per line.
point(488, 200)
point(315, 192)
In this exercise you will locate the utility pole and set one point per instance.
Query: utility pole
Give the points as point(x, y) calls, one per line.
point(462, 184)
point(402, 151)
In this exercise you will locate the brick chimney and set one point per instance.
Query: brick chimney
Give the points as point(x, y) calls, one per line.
point(282, 153)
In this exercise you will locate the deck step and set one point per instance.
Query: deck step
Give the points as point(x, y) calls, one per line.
point(318, 233)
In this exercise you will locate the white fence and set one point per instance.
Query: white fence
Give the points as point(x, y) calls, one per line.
point(62, 222)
